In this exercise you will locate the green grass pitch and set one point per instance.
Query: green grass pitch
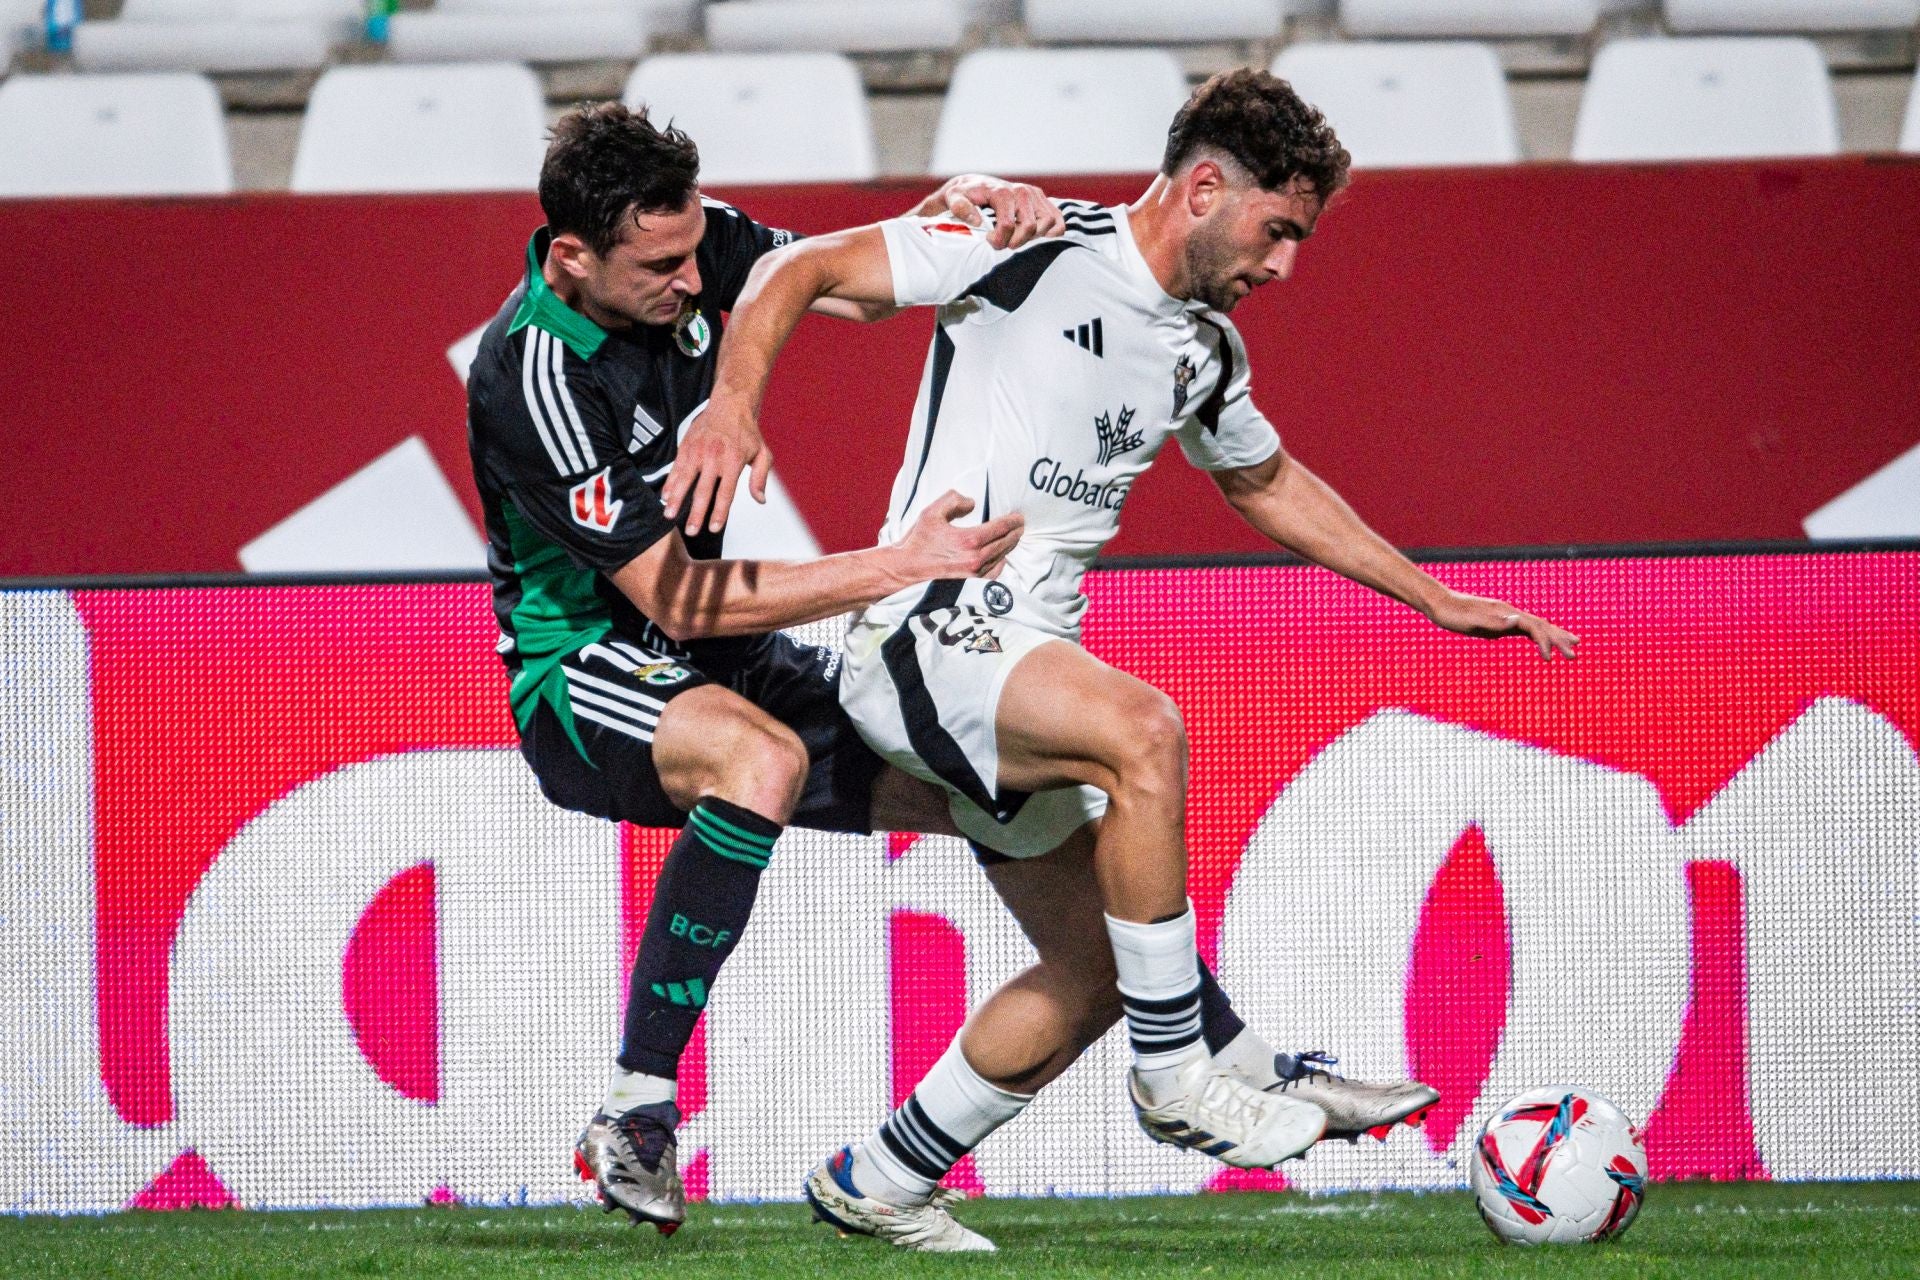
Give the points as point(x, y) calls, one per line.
point(1775, 1231)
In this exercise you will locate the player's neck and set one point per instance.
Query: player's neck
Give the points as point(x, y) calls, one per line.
point(1157, 224)
point(567, 289)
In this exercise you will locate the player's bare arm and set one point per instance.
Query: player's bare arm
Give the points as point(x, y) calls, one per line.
point(849, 266)
point(693, 599)
point(716, 449)
point(1297, 509)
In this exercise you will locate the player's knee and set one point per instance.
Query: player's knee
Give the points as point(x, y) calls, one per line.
point(1154, 743)
point(765, 768)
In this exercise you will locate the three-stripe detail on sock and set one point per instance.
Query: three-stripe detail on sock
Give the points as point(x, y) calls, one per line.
point(691, 994)
point(732, 841)
point(1162, 1026)
point(919, 1143)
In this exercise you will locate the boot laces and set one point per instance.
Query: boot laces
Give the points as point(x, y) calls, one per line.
point(1223, 1099)
point(646, 1135)
point(1305, 1068)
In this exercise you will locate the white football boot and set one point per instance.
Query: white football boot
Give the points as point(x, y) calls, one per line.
point(1221, 1115)
point(927, 1228)
point(1353, 1107)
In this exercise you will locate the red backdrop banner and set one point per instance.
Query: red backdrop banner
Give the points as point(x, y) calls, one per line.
point(282, 833)
point(1542, 354)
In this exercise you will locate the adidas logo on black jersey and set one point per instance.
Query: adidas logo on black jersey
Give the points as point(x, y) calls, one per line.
point(1086, 337)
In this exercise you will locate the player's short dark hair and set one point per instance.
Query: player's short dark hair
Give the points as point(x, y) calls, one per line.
point(607, 164)
point(1257, 118)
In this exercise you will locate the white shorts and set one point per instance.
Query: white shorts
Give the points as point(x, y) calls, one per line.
point(922, 682)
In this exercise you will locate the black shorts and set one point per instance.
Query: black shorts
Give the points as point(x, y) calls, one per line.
point(617, 691)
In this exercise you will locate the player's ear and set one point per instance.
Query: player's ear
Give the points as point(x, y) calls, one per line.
point(1205, 184)
point(570, 253)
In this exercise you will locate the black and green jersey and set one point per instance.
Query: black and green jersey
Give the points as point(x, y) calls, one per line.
point(572, 430)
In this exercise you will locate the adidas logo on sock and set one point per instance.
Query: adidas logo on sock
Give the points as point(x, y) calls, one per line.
point(691, 994)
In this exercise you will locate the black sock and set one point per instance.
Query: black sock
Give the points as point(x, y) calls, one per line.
point(1218, 1022)
point(700, 906)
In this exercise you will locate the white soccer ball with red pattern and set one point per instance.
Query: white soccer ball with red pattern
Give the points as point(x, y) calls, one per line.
point(1559, 1165)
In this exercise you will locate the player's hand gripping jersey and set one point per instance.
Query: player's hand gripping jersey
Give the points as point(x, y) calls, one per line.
point(1058, 372)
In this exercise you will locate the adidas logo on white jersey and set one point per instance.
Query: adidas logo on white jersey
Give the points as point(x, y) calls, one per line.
point(1087, 337)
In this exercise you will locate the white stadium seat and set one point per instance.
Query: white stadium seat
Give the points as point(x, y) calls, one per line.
point(345, 12)
point(202, 46)
point(129, 135)
point(452, 127)
point(1791, 15)
point(20, 27)
point(1910, 131)
point(1707, 98)
point(510, 30)
point(1058, 111)
point(678, 17)
point(216, 35)
point(763, 117)
point(835, 26)
point(1481, 18)
point(1393, 104)
point(671, 17)
point(1152, 21)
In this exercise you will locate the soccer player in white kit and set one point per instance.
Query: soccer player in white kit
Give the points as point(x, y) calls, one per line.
point(1058, 372)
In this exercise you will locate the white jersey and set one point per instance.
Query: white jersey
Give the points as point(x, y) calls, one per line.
point(1058, 371)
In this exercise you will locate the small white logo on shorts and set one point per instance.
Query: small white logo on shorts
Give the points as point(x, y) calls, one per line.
point(997, 598)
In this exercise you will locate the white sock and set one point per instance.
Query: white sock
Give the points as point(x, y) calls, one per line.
point(1158, 969)
point(1250, 1058)
point(949, 1114)
point(630, 1089)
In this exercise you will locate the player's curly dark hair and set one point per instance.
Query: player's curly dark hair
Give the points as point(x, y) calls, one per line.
point(608, 163)
point(1257, 118)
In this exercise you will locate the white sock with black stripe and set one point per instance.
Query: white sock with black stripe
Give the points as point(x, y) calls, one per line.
point(1158, 969)
point(948, 1114)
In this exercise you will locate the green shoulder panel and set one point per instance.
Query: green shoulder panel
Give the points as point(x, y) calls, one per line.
point(542, 308)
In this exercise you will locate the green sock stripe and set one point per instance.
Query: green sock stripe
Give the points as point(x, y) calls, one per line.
point(722, 845)
point(758, 864)
point(736, 831)
point(719, 839)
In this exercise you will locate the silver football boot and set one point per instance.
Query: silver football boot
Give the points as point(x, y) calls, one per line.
point(633, 1159)
point(925, 1228)
point(1221, 1115)
point(1353, 1107)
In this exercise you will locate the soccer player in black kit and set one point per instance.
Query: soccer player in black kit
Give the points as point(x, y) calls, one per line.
point(648, 679)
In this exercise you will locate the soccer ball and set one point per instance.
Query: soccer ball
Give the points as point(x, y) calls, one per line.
point(1558, 1165)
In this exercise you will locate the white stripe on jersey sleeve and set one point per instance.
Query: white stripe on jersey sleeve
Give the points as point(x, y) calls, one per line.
point(529, 381)
point(557, 368)
point(543, 382)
